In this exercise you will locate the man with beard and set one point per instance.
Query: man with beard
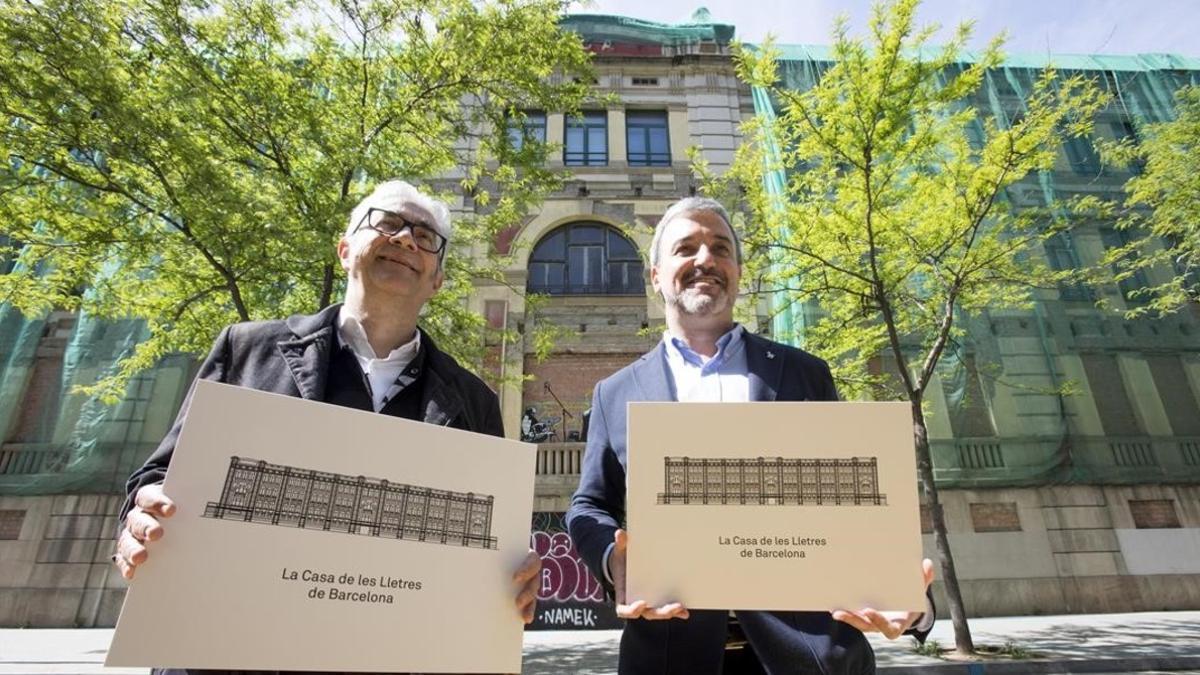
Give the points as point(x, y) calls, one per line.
point(695, 265)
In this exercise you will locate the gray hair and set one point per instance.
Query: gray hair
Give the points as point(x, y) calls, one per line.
point(394, 194)
point(692, 205)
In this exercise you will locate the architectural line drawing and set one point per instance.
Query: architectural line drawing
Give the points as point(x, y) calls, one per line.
point(256, 491)
point(779, 481)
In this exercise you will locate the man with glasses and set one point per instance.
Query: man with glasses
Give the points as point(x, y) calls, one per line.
point(366, 353)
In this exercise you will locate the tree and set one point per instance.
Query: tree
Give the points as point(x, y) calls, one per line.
point(891, 215)
point(1161, 209)
point(192, 163)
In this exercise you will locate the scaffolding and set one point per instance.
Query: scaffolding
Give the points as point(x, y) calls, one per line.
point(1142, 89)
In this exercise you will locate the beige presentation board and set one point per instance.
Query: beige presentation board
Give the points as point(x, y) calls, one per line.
point(315, 537)
point(774, 506)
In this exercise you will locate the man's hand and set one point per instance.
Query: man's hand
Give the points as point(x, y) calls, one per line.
point(639, 609)
point(141, 527)
point(891, 624)
point(526, 579)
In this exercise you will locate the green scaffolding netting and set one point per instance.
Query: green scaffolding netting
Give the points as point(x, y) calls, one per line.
point(1142, 88)
point(599, 28)
point(57, 440)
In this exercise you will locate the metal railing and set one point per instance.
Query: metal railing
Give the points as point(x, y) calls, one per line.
point(22, 459)
point(980, 454)
point(559, 459)
point(58, 468)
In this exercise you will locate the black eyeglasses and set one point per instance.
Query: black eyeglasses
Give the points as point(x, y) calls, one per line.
point(390, 224)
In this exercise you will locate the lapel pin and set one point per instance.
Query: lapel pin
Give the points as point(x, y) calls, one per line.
point(770, 355)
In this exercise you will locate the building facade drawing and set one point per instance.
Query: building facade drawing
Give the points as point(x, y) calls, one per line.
point(778, 481)
point(261, 492)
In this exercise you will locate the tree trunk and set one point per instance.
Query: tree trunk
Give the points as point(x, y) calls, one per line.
point(326, 286)
point(958, 615)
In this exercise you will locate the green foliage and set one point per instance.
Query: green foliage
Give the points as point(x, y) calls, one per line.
point(193, 163)
point(1161, 209)
point(892, 220)
point(931, 648)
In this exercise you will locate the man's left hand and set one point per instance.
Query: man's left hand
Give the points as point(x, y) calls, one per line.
point(526, 580)
point(891, 624)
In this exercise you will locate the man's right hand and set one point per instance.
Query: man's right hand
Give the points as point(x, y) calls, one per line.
point(141, 527)
point(638, 609)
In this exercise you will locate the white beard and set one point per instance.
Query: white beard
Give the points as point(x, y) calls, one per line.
point(693, 301)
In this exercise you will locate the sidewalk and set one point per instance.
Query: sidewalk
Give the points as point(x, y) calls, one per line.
point(1094, 643)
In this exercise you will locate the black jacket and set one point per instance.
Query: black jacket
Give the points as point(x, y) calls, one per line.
point(292, 357)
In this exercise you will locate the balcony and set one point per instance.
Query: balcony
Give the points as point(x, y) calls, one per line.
point(560, 459)
point(979, 462)
point(992, 461)
point(54, 468)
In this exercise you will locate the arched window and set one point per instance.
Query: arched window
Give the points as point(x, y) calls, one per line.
point(585, 259)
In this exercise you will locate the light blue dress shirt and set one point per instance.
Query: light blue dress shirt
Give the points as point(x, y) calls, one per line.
point(697, 378)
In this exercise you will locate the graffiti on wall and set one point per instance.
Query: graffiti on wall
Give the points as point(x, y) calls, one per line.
point(570, 596)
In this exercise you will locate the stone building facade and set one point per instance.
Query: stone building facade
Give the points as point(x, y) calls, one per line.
point(1083, 503)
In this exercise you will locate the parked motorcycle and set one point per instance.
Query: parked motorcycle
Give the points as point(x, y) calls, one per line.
point(534, 430)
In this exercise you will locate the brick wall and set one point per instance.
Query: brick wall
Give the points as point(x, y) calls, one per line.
point(11, 521)
point(572, 377)
point(996, 517)
point(1153, 513)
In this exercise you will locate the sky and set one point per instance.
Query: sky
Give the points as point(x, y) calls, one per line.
point(1033, 26)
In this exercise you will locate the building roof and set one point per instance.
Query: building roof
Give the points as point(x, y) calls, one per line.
point(1112, 62)
point(614, 32)
point(601, 28)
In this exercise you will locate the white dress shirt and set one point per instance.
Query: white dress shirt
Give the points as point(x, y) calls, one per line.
point(382, 376)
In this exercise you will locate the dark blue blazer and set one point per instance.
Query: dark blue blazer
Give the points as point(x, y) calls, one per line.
point(777, 373)
point(786, 642)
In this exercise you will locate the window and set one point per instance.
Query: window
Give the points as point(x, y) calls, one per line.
point(1108, 390)
point(585, 259)
point(646, 138)
point(1061, 254)
point(965, 402)
point(130, 416)
point(586, 139)
point(645, 81)
point(1082, 155)
point(1132, 287)
point(1179, 402)
point(530, 127)
point(1185, 265)
point(975, 134)
point(1123, 129)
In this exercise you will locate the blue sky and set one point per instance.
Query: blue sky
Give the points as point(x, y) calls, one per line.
point(1034, 26)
